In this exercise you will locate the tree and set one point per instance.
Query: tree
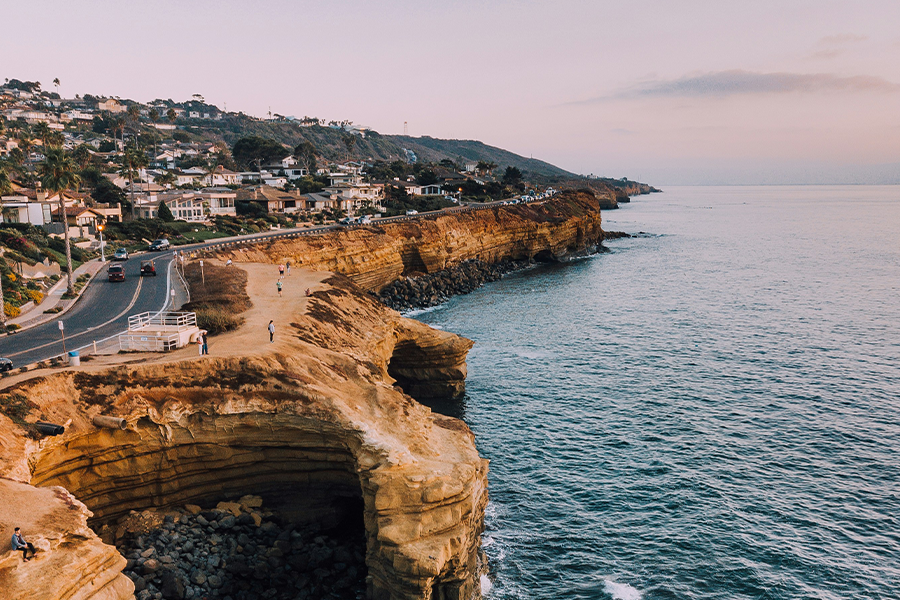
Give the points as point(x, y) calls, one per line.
point(106, 192)
point(426, 177)
point(512, 176)
point(210, 168)
point(164, 213)
point(42, 131)
point(171, 115)
point(253, 149)
point(154, 115)
point(56, 83)
point(165, 179)
point(305, 153)
point(58, 175)
point(133, 161)
point(350, 143)
point(82, 156)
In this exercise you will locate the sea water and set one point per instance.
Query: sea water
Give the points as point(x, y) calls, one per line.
point(710, 410)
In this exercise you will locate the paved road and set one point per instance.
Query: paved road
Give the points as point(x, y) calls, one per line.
point(102, 311)
point(104, 308)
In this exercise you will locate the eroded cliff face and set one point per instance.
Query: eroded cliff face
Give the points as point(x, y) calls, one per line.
point(316, 427)
point(376, 255)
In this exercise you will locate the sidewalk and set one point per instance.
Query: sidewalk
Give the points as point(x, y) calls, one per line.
point(37, 316)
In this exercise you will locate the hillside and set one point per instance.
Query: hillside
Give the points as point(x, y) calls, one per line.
point(330, 144)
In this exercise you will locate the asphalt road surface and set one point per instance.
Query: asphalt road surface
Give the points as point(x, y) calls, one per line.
point(102, 311)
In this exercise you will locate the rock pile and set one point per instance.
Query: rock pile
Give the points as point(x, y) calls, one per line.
point(435, 288)
point(238, 551)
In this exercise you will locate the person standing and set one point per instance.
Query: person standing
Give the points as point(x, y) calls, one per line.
point(200, 344)
point(205, 343)
point(288, 265)
point(19, 543)
point(271, 332)
point(278, 285)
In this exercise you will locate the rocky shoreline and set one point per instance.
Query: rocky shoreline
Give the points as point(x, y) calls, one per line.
point(238, 551)
point(426, 290)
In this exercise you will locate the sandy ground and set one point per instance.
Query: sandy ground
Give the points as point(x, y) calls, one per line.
point(251, 338)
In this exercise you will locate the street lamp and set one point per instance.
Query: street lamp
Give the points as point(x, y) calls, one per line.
point(102, 254)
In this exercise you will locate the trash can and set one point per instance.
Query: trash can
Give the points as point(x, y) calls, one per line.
point(74, 359)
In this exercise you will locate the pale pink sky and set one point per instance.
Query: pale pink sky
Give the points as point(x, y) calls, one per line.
point(668, 92)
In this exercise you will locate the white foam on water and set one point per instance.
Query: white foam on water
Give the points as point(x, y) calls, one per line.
point(420, 311)
point(620, 591)
point(486, 585)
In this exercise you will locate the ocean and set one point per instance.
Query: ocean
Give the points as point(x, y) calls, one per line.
point(711, 410)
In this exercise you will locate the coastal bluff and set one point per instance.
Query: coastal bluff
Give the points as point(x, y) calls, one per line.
point(375, 255)
point(312, 423)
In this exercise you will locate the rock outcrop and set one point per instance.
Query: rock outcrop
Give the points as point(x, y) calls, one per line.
point(374, 256)
point(316, 428)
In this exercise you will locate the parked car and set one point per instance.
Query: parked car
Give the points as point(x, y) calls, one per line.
point(412, 212)
point(5, 365)
point(159, 245)
point(116, 273)
point(121, 254)
point(148, 268)
point(365, 219)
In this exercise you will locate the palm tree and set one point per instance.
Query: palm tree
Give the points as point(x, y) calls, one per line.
point(82, 156)
point(211, 166)
point(134, 161)
point(5, 188)
point(42, 130)
point(56, 83)
point(165, 179)
point(57, 176)
point(171, 115)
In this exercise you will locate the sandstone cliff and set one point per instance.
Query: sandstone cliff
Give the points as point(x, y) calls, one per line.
point(376, 255)
point(312, 423)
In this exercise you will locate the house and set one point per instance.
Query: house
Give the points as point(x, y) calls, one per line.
point(80, 216)
point(20, 209)
point(355, 197)
point(414, 189)
point(222, 176)
point(79, 115)
point(7, 146)
point(112, 105)
point(189, 206)
point(274, 199)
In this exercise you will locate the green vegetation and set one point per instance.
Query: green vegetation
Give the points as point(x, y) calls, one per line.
point(218, 296)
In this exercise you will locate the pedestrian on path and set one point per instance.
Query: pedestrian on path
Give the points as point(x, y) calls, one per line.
point(278, 285)
point(271, 332)
point(288, 265)
point(200, 344)
point(281, 270)
point(205, 343)
point(19, 543)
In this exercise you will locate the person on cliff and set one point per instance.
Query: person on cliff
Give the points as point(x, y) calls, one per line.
point(200, 344)
point(19, 543)
point(271, 332)
point(205, 343)
point(288, 266)
point(278, 285)
point(281, 270)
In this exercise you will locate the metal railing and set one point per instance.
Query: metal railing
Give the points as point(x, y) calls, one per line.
point(178, 321)
point(148, 342)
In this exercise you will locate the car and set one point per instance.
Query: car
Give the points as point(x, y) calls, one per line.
point(116, 273)
point(346, 221)
point(5, 365)
point(365, 219)
point(159, 245)
point(412, 212)
point(121, 254)
point(148, 268)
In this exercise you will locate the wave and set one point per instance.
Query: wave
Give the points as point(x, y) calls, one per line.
point(621, 591)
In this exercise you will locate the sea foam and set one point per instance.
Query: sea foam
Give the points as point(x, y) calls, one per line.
point(620, 591)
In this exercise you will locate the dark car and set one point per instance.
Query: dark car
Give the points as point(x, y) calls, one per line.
point(116, 273)
point(5, 365)
point(148, 268)
point(159, 245)
point(121, 254)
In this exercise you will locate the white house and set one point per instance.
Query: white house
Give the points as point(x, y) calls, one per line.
point(20, 209)
point(112, 105)
point(190, 206)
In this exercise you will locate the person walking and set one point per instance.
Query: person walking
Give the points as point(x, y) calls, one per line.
point(19, 543)
point(278, 285)
point(281, 270)
point(271, 332)
point(288, 265)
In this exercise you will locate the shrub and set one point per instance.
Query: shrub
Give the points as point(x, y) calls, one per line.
point(216, 320)
point(35, 295)
point(11, 310)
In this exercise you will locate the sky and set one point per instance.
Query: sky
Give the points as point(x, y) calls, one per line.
point(671, 93)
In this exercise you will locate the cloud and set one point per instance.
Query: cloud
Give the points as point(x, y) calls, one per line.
point(842, 38)
point(734, 83)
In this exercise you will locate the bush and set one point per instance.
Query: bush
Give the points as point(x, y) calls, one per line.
point(11, 310)
point(36, 296)
point(216, 320)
